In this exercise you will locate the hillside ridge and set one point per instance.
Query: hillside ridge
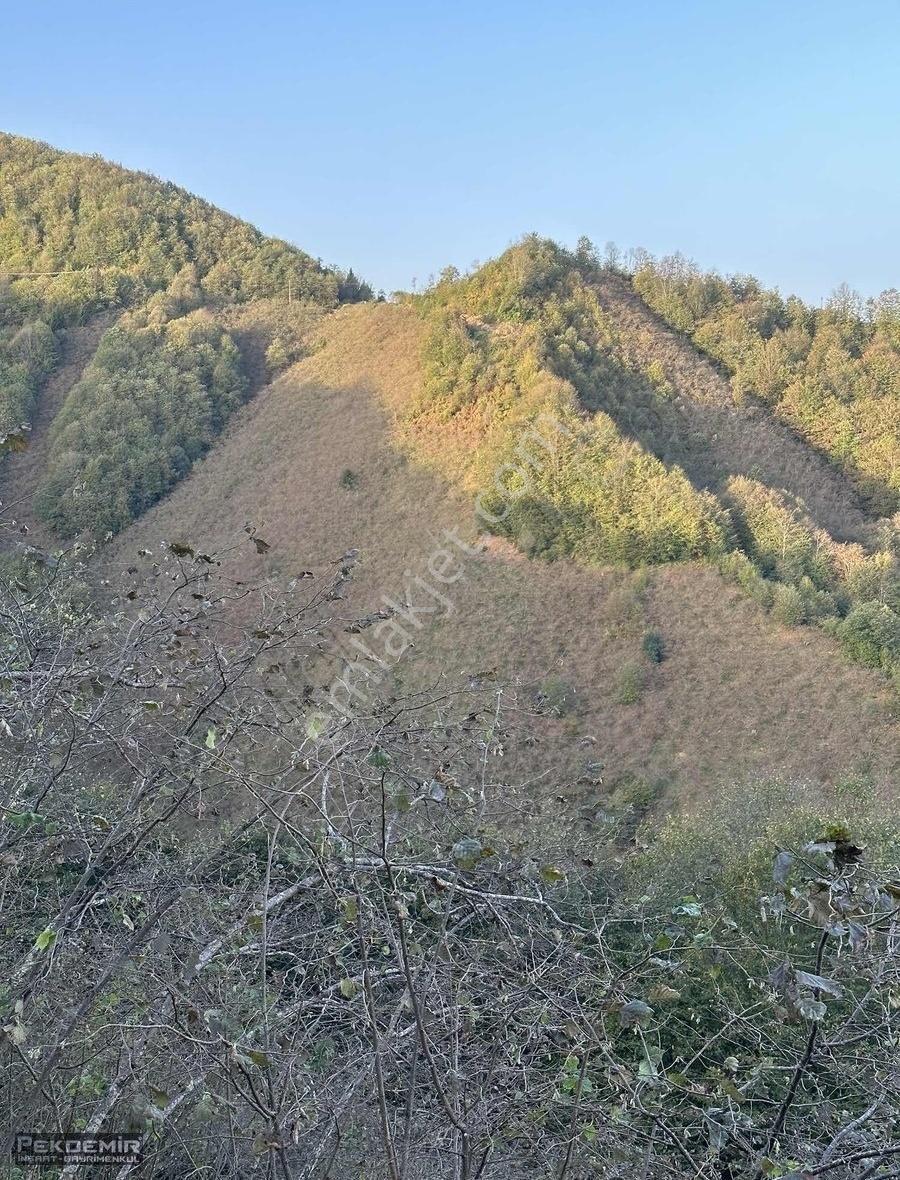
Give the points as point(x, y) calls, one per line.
point(736, 439)
point(316, 465)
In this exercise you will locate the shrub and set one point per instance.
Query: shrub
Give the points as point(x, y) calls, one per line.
point(653, 646)
point(818, 605)
point(27, 355)
point(635, 793)
point(788, 606)
point(776, 532)
point(630, 687)
point(278, 356)
point(871, 635)
point(557, 696)
point(738, 568)
point(656, 375)
point(349, 479)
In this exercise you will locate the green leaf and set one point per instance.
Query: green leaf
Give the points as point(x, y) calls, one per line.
point(348, 988)
point(688, 908)
point(211, 738)
point(820, 983)
point(159, 1098)
point(315, 725)
point(811, 1009)
point(551, 874)
point(436, 791)
point(258, 1057)
point(781, 868)
point(467, 852)
point(718, 1131)
point(16, 1032)
point(24, 819)
point(663, 994)
point(635, 1013)
point(727, 1086)
point(45, 939)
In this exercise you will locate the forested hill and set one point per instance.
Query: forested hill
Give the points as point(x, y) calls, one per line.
point(704, 418)
point(66, 212)
point(785, 483)
point(831, 373)
point(79, 237)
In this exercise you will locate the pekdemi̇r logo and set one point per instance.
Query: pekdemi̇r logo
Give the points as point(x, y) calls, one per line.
point(46, 1149)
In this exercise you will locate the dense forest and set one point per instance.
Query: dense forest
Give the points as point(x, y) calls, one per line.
point(79, 235)
point(151, 402)
point(61, 212)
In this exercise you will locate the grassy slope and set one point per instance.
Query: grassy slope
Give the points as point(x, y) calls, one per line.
point(737, 696)
point(251, 325)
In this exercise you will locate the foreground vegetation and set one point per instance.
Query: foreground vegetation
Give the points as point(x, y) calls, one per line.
point(266, 937)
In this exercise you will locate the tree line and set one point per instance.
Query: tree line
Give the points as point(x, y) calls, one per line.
point(832, 373)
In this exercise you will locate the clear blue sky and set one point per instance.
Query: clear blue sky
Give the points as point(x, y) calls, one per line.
point(401, 137)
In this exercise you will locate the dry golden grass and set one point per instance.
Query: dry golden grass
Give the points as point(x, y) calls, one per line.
point(736, 698)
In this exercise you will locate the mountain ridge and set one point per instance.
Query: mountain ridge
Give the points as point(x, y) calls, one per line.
point(205, 410)
point(544, 628)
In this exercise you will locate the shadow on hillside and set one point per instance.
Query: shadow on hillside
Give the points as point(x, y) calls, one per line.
point(761, 700)
point(686, 416)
